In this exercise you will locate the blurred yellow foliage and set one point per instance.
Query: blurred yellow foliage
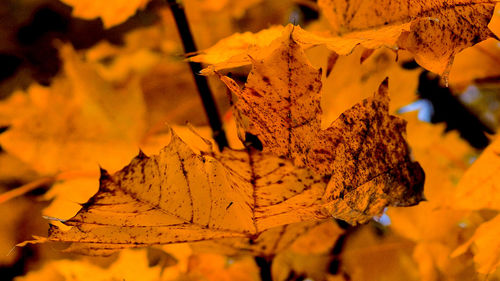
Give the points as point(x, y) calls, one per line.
point(250, 214)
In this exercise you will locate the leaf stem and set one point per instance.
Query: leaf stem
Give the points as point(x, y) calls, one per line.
point(201, 81)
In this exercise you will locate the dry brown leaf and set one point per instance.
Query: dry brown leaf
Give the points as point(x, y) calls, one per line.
point(180, 196)
point(240, 49)
point(351, 171)
point(280, 104)
point(428, 33)
point(434, 31)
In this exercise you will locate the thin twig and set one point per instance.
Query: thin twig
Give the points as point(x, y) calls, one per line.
point(48, 180)
point(201, 81)
point(23, 189)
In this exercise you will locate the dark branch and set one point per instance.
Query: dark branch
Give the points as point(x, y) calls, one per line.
point(201, 81)
point(265, 268)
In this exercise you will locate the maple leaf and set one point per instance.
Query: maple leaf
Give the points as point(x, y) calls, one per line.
point(440, 225)
point(76, 121)
point(234, 51)
point(342, 89)
point(309, 255)
point(369, 256)
point(475, 63)
point(111, 12)
point(484, 173)
point(433, 225)
point(281, 106)
point(181, 196)
point(13, 215)
point(240, 49)
point(86, 270)
point(214, 267)
point(235, 9)
point(290, 265)
point(434, 31)
point(485, 245)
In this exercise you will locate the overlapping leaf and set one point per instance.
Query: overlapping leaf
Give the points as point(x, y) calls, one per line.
point(281, 106)
point(179, 196)
point(239, 49)
point(434, 31)
point(351, 170)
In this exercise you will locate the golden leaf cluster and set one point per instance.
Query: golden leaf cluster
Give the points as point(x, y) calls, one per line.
point(324, 177)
